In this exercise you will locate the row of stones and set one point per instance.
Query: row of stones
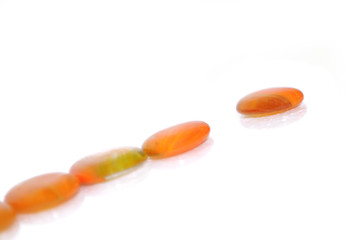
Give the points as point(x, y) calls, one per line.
point(49, 190)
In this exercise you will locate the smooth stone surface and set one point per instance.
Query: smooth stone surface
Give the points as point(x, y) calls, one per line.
point(7, 216)
point(269, 101)
point(42, 192)
point(176, 139)
point(105, 166)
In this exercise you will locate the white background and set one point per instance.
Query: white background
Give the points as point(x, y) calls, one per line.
point(79, 77)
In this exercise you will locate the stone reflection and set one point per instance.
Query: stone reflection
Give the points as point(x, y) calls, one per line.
point(274, 121)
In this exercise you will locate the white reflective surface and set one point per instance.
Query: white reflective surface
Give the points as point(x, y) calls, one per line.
point(80, 77)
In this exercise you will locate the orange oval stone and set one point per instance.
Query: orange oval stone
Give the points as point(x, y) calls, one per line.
point(7, 216)
point(105, 166)
point(269, 101)
point(42, 192)
point(176, 139)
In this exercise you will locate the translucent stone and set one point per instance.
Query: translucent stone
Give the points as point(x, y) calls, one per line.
point(176, 139)
point(7, 216)
point(105, 166)
point(269, 101)
point(42, 192)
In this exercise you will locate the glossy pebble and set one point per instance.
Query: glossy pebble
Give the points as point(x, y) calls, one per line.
point(7, 216)
point(176, 139)
point(269, 101)
point(42, 192)
point(105, 166)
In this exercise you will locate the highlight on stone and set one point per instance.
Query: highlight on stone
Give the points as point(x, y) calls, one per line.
point(176, 139)
point(105, 166)
point(269, 101)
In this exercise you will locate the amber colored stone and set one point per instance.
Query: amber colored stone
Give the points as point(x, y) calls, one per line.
point(105, 166)
point(269, 101)
point(7, 216)
point(176, 139)
point(42, 192)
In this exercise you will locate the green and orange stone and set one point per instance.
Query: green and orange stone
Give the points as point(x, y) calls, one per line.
point(177, 139)
point(42, 192)
point(105, 166)
point(269, 101)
